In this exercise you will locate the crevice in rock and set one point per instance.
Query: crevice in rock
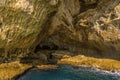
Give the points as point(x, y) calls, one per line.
point(1, 24)
point(85, 6)
point(46, 47)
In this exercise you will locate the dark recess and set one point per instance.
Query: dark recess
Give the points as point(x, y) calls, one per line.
point(46, 47)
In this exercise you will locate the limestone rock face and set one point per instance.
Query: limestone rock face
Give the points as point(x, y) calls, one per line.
point(105, 24)
point(23, 23)
point(87, 26)
point(91, 26)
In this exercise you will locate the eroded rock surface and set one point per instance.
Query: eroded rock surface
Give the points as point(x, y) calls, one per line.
point(95, 29)
point(23, 24)
point(85, 26)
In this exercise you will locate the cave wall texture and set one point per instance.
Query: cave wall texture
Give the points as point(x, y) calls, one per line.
point(87, 26)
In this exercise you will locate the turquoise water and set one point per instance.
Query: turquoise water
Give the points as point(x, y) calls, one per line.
point(66, 72)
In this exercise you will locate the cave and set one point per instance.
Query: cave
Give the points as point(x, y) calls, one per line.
point(46, 47)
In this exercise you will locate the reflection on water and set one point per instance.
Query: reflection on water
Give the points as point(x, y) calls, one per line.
point(65, 72)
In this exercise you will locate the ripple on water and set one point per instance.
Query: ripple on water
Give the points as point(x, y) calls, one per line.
point(66, 72)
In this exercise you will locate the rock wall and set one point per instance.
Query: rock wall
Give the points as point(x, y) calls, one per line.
point(23, 23)
point(86, 26)
point(93, 28)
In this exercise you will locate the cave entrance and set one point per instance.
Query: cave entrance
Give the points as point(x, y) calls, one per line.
point(46, 46)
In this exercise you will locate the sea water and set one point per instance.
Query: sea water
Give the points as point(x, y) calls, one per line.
point(66, 72)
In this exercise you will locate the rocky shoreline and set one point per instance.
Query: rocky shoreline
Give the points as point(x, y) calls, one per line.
point(83, 68)
point(43, 67)
point(9, 70)
point(80, 67)
point(100, 71)
point(16, 77)
point(39, 67)
point(101, 65)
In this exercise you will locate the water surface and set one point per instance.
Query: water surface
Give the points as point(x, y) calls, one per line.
point(65, 72)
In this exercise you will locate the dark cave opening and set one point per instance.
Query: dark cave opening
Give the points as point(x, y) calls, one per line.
point(46, 47)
